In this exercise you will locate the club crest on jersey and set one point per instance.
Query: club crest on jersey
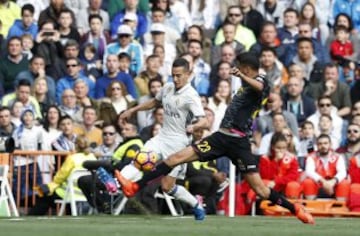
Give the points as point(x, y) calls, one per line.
point(240, 91)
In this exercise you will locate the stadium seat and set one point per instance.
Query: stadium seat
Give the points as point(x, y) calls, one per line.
point(7, 202)
point(70, 196)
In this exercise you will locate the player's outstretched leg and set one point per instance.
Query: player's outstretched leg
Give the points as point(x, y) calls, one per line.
point(266, 193)
point(130, 188)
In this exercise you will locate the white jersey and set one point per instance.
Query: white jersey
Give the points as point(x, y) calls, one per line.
point(180, 108)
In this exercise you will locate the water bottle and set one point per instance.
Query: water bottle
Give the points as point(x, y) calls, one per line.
point(107, 180)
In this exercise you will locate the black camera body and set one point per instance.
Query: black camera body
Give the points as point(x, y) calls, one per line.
point(7, 144)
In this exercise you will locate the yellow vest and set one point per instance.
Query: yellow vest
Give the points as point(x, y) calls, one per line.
point(124, 149)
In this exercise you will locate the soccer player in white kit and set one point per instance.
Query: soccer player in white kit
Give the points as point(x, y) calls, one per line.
point(182, 105)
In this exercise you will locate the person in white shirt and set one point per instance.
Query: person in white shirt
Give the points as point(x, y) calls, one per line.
point(182, 106)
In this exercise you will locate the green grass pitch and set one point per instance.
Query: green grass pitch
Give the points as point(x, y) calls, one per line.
point(133, 225)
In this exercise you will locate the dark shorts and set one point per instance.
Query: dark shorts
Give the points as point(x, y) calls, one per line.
point(237, 149)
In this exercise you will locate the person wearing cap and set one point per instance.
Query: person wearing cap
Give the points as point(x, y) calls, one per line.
point(158, 31)
point(125, 43)
point(130, 19)
point(27, 136)
point(158, 15)
point(93, 9)
point(130, 7)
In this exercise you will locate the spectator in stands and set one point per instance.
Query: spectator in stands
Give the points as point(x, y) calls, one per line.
point(272, 10)
point(92, 65)
point(279, 124)
point(113, 74)
point(243, 34)
point(88, 128)
point(264, 122)
point(81, 90)
point(146, 133)
point(38, 6)
point(39, 91)
point(37, 70)
point(69, 107)
point(116, 101)
point(350, 8)
point(158, 15)
point(275, 71)
point(83, 17)
point(66, 29)
point(296, 102)
point(66, 140)
point(16, 108)
point(73, 73)
point(204, 13)
point(326, 173)
point(115, 6)
point(9, 12)
point(157, 31)
point(52, 13)
point(96, 33)
point(106, 150)
point(28, 137)
point(56, 189)
point(150, 73)
point(342, 52)
point(200, 69)
point(224, 73)
point(22, 94)
point(130, 7)
point(352, 144)
point(51, 127)
point(12, 64)
point(311, 65)
point(279, 169)
point(320, 52)
point(27, 44)
point(6, 126)
point(197, 33)
point(227, 55)
point(325, 107)
point(126, 44)
point(307, 140)
point(288, 32)
point(165, 66)
point(123, 155)
point(145, 118)
point(26, 25)
point(251, 17)
point(339, 92)
point(268, 38)
point(48, 46)
point(308, 15)
point(125, 64)
point(354, 174)
point(326, 127)
point(219, 102)
point(229, 31)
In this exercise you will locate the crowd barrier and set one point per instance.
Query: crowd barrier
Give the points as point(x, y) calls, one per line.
point(28, 169)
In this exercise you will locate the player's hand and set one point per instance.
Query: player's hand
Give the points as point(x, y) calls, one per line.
point(219, 177)
point(328, 186)
point(235, 71)
point(271, 184)
point(189, 129)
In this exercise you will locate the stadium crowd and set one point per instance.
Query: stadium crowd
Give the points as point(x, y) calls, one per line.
point(71, 67)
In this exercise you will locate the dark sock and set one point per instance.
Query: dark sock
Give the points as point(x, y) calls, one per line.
point(161, 169)
point(280, 200)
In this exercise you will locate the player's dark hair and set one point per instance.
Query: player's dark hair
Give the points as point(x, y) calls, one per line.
point(181, 62)
point(248, 59)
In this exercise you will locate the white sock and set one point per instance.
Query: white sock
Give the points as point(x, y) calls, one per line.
point(180, 193)
point(131, 172)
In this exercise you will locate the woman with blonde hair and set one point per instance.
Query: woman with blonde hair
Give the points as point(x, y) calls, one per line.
point(117, 100)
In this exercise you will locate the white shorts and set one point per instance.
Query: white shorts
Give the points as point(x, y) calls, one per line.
point(164, 148)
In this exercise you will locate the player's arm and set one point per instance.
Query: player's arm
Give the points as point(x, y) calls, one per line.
point(254, 83)
point(141, 107)
point(201, 123)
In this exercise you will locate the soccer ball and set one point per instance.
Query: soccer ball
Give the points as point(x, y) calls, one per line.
point(145, 160)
